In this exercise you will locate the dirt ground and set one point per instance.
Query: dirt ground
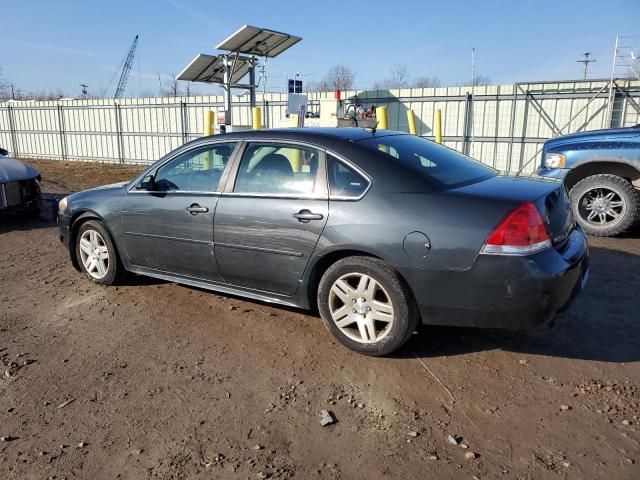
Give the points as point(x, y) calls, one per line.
point(156, 380)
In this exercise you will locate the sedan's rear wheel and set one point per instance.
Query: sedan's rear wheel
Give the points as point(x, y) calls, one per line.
point(366, 305)
point(96, 253)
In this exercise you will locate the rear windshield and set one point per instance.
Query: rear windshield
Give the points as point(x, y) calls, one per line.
point(443, 165)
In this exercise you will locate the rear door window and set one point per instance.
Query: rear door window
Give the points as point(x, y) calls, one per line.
point(277, 169)
point(344, 180)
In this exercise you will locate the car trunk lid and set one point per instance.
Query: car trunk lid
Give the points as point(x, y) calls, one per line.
point(549, 196)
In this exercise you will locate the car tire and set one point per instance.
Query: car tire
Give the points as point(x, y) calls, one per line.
point(586, 194)
point(97, 256)
point(365, 304)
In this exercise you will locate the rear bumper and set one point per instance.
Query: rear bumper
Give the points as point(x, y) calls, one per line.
point(504, 291)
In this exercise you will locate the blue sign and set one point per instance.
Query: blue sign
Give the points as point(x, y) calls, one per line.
point(295, 86)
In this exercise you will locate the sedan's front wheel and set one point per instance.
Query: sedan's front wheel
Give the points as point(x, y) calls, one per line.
point(366, 305)
point(96, 253)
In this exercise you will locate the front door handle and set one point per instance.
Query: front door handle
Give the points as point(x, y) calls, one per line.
point(195, 209)
point(305, 216)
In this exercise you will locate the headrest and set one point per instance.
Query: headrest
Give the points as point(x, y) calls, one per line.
point(274, 163)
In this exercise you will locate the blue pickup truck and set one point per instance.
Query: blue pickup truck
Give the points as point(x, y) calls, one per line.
point(601, 170)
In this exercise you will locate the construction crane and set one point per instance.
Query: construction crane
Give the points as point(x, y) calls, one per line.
point(126, 69)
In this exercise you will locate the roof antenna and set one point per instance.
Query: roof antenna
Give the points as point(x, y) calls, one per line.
point(372, 129)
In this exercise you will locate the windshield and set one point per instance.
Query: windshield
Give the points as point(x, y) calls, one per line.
point(443, 165)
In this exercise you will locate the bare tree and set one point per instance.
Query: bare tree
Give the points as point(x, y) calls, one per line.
point(426, 82)
point(55, 94)
point(339, 77)
point(5, 88)
point(480, 80)
point(399, 75)
point(399, 78)
point(317, 86)
point(171, 86)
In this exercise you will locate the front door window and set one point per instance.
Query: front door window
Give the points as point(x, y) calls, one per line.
point(198, 170)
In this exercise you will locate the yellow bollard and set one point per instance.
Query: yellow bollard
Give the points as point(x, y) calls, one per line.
point(438, 126)
point(208, 122)
point(294, 119)
point(296, 160)
point(412, 122)
point(257, 118)
point(208, 130)
point(381, 116)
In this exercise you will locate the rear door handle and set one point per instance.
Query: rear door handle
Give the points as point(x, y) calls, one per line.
point(305, 216)
point(195, 209)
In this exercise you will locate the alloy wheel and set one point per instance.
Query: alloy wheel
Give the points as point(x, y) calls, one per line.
point(361, 308)
point(602, 207)
point(94, 254)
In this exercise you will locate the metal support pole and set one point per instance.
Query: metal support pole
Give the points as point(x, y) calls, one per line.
point(466, 129)
point(119, 134)
point(267, 114)
point(12, 131)
point(496, 128)
point(524, 131)
point(61, 129)
point(512, 127)
point(183, 121)
point(227, 91)
point(252, 82)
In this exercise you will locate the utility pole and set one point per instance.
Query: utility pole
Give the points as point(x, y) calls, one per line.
point(586, 60)
point(473, 66)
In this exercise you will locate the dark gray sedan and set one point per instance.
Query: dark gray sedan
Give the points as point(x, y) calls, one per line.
point(379, 230)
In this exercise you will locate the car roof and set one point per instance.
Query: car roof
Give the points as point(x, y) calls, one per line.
point(310, 134)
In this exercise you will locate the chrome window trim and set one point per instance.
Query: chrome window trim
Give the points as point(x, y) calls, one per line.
point(289, 196)
point(351, 165)
point(180, 192)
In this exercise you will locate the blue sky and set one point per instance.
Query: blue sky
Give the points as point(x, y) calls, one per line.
point(46, 44)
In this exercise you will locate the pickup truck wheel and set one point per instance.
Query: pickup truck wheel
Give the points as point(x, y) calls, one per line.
point(605, 205)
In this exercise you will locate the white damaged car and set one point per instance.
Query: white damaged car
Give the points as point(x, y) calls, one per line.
point(19, 185)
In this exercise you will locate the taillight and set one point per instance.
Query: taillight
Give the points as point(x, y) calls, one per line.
point(522, 232)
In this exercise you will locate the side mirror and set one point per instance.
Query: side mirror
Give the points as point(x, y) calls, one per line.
point(147, 183)
point(4, 152)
